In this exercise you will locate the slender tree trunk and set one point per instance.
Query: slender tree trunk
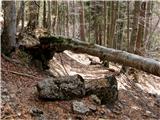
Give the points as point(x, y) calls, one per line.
point(64, 20)
point(82, 21)
point(147, 21)
point(20, 12)
point(33, 15)
point(105, 23)
point(40, 17)
point(55, 12)
point(128, 24)
point(44, 14)
point(67, 18)
point(136, 12)
point(121, 27)
point(9, 32)
point(139, 42)
point(89, 29)
point(57, 19)
point(23, 16)
point(109, 41)
point(100, 34)
point(74, 19)
point(49, 17)
point(115, 15)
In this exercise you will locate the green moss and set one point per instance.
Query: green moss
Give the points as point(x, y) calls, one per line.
point(51, 39)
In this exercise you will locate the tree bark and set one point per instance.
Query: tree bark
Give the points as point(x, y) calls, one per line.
point(49, 17)
point(60, 44)
point(74, 19)
point(40, 17)
point(20, 13)
point(44, 14)
point(70, 87)
point(105, 23)
point(67, 18)
point(147, 21)
point(82, 22)
point(136, 12)
point(109, 42)
point(139, 41)
point(9, 32)
point(33, 15)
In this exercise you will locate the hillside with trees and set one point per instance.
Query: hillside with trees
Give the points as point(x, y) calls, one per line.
point(85, 60)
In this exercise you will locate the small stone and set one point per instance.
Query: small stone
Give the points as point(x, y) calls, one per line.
point(96, 99)
point(80, 107)
point(36, 112)
point(19, 113)
point(92, 108)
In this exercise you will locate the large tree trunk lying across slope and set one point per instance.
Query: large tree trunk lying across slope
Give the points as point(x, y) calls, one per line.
point(70, 87)
point(60, 44)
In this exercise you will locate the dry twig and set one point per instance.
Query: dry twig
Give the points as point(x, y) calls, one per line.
point(22, 74)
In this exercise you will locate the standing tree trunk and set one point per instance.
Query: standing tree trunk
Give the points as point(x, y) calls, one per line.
point(105, 23)
point(128, 24)
point(147, 21)
point(55, 12)
point(120, 27)
point(44, 14)
point(40, 17)
point(82, 21)
point(20, 13)
point(9, 32)
point(49, 17)
point(109, 41)
point(114, 18)
point(139, 42)
point(136, 12)
point(23, 10)
point(33, 15)
point(89, 23)
point(67, 18)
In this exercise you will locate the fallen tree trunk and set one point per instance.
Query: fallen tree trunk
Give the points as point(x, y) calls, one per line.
point(71, 87)
point(60, 44)
point(61, 88)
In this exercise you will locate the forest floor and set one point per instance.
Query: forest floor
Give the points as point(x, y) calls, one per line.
point(138, 99)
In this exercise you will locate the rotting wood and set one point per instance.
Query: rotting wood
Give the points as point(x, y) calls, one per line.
point(71, 87)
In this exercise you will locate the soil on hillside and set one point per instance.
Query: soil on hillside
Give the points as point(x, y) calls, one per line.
point(138, 99)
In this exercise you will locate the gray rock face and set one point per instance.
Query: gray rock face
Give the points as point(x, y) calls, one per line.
point(80, 107)
point(62, 88)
